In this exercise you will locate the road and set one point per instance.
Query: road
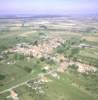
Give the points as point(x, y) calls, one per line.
point(24, 83)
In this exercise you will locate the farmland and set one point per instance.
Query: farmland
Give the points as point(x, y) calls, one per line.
point(59, 54)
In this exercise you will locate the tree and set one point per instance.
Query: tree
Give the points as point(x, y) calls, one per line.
point(18, 56)
point(2, 77)
point(27, 69)
point(74, 52)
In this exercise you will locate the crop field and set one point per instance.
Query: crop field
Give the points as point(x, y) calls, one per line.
point(80, 43)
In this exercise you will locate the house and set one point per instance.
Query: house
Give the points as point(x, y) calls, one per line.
point(14, 95)
point(62, 66)
point(85, 46)
point(46, 68)
point(44, 79)
point(55, 75)
point(83, 68)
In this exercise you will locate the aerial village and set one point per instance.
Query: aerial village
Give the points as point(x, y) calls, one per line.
point(45, 49)
point(51, 59)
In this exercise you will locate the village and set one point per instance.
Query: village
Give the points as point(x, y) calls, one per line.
point(46, 50)
point(48, 62)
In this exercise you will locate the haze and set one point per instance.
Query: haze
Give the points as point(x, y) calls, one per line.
point(41, 7)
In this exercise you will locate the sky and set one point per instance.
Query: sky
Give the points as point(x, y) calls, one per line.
point(40, 7)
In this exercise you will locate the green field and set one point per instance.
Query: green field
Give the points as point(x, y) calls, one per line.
point(16, 68)
point(70, 86)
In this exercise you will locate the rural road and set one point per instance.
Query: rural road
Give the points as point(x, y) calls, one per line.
point(23, 83)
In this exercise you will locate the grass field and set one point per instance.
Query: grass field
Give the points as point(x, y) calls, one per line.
point(70, 86)
point(16, 69)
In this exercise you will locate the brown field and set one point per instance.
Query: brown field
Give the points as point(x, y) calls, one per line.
point(91, 38)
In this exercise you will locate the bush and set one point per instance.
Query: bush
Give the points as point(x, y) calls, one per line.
point(27, 69)
point(2, 77)
point(42, 59)
point(73, 66)
point(60, 49)
point(18, 56)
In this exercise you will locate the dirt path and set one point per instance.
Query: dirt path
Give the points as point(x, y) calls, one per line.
point(24, 83)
